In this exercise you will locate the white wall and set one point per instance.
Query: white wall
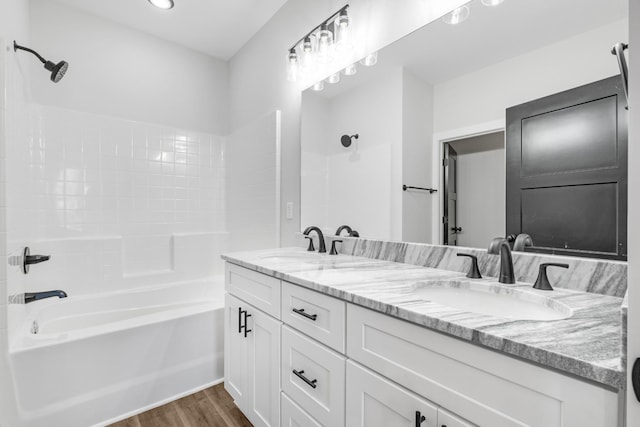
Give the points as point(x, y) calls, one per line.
point(258, 72)
point(14, 24)
point(117, 71)
point(357, 182)
point(481, 190)
point(483, 96)
point(252, 184)
point(417, 128)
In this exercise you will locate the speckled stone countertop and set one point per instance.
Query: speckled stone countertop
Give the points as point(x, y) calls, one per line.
point(586, 344)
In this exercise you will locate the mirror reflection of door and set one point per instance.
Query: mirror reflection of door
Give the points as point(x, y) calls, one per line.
point(451, 228)
point(478, 176)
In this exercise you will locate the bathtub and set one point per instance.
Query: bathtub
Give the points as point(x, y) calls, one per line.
point(101, 358)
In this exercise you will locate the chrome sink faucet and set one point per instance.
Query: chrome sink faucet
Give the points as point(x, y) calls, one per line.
point(500, 246)
point(322, 249)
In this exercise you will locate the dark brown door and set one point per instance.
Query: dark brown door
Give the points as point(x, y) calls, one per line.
point(567, 171)
point(451, 228)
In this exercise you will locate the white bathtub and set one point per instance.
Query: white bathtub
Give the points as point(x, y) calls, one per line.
point(99, 359)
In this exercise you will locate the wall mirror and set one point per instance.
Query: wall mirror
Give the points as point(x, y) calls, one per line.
point(445, 87)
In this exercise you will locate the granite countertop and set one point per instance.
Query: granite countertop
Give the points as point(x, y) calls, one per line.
point(586, 344)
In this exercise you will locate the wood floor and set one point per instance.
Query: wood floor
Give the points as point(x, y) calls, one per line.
point(209, 407)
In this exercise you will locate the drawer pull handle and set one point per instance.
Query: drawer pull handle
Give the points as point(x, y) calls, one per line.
point(419, 419)
point(240, 311)
point(301, 312)
point(246, 329)
point(311, 383)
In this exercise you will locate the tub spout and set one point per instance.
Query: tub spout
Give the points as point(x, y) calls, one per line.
point(35, 296)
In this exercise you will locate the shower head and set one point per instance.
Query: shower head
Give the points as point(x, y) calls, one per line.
point(57, 70)
point(345, 140)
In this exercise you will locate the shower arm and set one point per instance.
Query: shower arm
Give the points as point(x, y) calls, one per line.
point(16, 46)
point(618, 50)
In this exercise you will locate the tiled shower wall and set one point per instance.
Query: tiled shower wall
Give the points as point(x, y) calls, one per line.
point(116, 203)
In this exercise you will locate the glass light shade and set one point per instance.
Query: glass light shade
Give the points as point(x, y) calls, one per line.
point(457, 15)
point(370, 60)
point(162, 4)
point(306, 56)
point(334, 78)
point(492, 3)
point(293, 67)
point(350, 70)
point(325, 40)
point(318, 86)
point(343, 32)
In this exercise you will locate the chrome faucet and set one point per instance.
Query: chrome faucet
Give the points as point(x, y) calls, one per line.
point(500, 246)
point(35, 296)
point(322, 249)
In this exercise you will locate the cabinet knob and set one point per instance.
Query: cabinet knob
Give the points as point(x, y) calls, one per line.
point(310, 383)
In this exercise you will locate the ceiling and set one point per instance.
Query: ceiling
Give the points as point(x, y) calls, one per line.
point(216, 27)
point(439, 52)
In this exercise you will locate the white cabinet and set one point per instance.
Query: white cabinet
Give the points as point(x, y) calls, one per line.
point(294, 416)
point(314, 377)
point(374, 401)
point(252, 361)
point(447, 419)
point(483, 386)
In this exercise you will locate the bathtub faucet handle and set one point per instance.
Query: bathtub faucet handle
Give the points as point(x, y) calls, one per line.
point(28, 259)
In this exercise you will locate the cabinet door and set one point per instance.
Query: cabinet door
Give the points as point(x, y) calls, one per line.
point(447, 419)
point(295, 416)
point(374, 401)
point(263, 358)
point(236, 378)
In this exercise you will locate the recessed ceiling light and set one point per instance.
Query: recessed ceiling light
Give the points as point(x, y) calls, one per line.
point(162, 4)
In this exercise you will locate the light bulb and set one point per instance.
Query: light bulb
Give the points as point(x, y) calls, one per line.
point(318, 86)
point(350, 70)
point(457, 15)
point(307, 52)
point(292, 65)
point(325, 40)
point(334, 78)
point(343, 31)
point(162, 4)
point(492, 3)
point(370, 60)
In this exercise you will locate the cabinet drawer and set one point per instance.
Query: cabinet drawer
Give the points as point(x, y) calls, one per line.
point(319, 316)
point(295, 416)
point(259, 290)
point(447, 419)
point(374, 401)
point(483, 386)
point(318, 386)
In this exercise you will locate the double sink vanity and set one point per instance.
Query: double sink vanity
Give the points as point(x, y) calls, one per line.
point(348, 340)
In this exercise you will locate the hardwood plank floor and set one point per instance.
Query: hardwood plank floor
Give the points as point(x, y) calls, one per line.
point(209, 407)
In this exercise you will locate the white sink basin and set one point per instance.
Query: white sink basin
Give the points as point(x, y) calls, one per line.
point(288, 257)
point(493, 299)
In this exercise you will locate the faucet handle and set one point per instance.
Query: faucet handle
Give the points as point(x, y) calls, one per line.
point(311, 248)
point(334, 251)
point(542, 282)
point(474, 271)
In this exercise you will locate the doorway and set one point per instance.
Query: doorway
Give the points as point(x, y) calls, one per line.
point(474, 190)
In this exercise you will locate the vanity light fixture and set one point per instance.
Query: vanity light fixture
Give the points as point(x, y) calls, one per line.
point(318, 86)
point(350, 70)
point(457, 16)
point(317, 45)
point(492, 3)
point(162, 4)
point(333, 78)
point(370, 60)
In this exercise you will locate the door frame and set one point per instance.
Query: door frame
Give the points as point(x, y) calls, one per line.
point(439, 139)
